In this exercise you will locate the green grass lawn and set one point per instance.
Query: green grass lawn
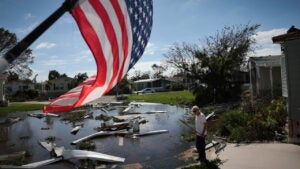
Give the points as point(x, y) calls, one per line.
point(15, 107)
point(173, 97)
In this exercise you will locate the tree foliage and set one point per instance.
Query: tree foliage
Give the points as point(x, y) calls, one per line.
point(53, 74)
point(215, 66)
point(79, 78)
point(123, 86)
point(20, 65)
point(158, 70)
point(138, 75)
point(12, 76)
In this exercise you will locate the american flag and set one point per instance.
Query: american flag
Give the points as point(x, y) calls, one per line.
point(117, 32)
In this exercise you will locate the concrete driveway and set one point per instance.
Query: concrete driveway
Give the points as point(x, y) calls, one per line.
point(261, 156)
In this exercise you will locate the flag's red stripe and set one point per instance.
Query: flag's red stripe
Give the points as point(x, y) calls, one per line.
point(93, 42)
point(57, 108)
point(111, 35)
point(67, 95)
point(123, 27)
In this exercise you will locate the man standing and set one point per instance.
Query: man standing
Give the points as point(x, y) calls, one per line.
point(200, 129)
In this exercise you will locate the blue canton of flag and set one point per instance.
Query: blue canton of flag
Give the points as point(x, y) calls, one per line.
point(140, 13)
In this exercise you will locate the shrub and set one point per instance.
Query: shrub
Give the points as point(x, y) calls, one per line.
point(253, 121)
point(177, 87)
point(233, 124)
point(28, 94)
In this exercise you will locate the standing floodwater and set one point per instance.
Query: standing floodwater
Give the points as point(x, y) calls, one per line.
point(153, 151)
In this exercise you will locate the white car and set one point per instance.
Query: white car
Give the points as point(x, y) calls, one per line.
point(146, 90)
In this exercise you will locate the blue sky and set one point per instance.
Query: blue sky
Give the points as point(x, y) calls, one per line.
point(63, 49)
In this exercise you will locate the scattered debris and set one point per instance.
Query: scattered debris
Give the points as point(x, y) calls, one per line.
point(143, 103)
point(83, 154)
point(116, 103)
point(114, 126)
point(9, 121)
point(103, 117)
point(98, 134)
point(47, 146)
point(127, 109)
point(59, 150)
point(52, 115)
point(51, 138)
point(212, 114)
point(211, 144)
point(143, 121)
point(38, 115)
point(220, 147)
point(150, 133)
point(76, 129)
point(35, 164)
point(88, 115)
point(127, 117)
point(156, 111)
point(42, 115)
point(104, 110)
point(63, 154)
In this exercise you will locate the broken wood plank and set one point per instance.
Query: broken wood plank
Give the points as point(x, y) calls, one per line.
point(83, 154)
point(151, 133)
point(98, 134)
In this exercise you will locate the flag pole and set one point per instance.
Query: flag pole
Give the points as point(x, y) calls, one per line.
point(21, 46)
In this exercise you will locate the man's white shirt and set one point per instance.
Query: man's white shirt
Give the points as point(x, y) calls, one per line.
point(200, 121)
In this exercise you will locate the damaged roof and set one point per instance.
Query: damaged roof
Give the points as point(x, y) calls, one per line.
point(266, 61)
point(292, 33)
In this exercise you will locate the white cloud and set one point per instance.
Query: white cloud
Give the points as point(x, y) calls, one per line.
point(68, 20)
point(266, 51)
point(147, 67)
point(28, 16)
point(54, 62)
point(188, 4)
point(46, 45)
point(85, 55)
point(150, 49)
point(144, 66)
point(265, 45)
point(27, 29)
point(88, 72)
point(153, 49)
point(265, 37)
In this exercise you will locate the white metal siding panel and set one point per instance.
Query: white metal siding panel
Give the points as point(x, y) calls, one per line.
point(283, 77)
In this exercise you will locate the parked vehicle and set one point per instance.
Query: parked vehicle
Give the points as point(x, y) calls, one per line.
point(146, 90)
